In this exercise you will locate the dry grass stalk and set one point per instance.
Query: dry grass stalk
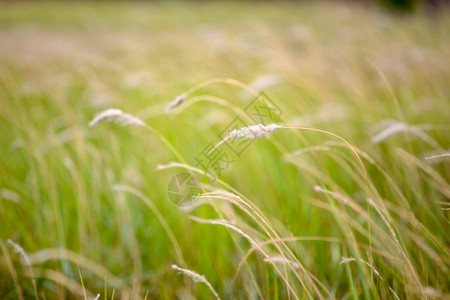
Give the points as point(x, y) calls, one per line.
point(259, 131)
point(9, 263)
point(26, 261)
point(233, 82)
point(197, 278)
point(345, 260)
point(438, 156)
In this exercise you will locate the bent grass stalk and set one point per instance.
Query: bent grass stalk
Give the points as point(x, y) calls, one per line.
point(384, 215)
point(257, 216)
point(375, 271)
point(379, 233)
point(25, 261)
point(212, 99)
point(251, 214)
point(12, 270)
point(242, 202)
point(254, 244)
point(250, 132)
point(197, 278)
point(181, 98)
point(262, 222)
point(438, 182)
point(408, 217)
point(385, 174)
point(159, 216)
point(226, 224)
point(309, 238)
point(260, 130)
point(438, 156)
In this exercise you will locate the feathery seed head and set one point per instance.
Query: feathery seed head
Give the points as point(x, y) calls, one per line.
point(116, 116)
point(176, 102)
point(197, 278)
point(252, 132)
point(23, 255)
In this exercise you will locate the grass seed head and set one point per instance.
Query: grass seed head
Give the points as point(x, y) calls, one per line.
point(116, 116)
point(197, 278)
point(176, 102)
point(252, 132)
point(23, 255)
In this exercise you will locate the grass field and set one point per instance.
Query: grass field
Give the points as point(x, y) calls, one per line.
point(350, 202)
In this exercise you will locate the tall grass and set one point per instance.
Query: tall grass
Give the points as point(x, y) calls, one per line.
point(348, 198)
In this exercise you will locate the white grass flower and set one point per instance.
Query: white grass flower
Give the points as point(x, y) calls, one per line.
point(197, 278)
point(116, 116)
point(23, 256)
point(25, 260)
point(176, 102)
point(250, 132)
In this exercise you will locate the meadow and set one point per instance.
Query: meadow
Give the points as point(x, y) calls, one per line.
point(347, 199)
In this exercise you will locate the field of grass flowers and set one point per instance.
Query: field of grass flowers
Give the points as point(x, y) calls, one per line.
point(350, 202)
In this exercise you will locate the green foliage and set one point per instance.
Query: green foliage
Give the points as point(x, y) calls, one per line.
point(92, 203)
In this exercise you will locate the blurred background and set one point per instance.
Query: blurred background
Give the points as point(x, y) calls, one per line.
point(85, 211)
